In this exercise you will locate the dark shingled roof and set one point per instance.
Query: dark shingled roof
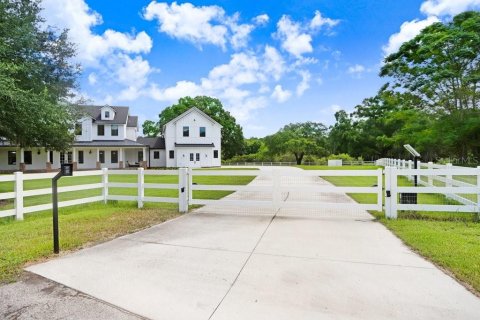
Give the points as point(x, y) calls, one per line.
point(121, 113)
point(152, 143)
point(132, 121)
point(108, 143)
point(194, 145)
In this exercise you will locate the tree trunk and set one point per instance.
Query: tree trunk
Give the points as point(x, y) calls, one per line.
point(299, 158)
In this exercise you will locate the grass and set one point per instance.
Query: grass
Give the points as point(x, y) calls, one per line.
point(30, 240)
point(450, 240)
point(305, 167)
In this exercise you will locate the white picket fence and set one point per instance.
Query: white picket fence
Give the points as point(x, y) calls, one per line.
point(19, 193)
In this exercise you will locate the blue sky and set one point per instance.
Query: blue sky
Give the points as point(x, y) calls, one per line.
point(269, 62)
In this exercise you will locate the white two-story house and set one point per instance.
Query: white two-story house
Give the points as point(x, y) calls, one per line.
point(107, 137)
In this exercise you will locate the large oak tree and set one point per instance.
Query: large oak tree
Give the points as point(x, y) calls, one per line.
point(36, 77)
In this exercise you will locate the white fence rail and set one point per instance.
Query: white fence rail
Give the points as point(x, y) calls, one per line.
point(451, 190)
point(449, 178)
point(18, 195)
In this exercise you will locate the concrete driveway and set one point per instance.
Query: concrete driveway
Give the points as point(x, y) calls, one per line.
point(213, 264)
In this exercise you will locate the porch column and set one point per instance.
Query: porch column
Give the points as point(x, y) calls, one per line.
point(144, 157)
point(74, 159)
point(120, 158)
point(48, 165)
point(98, 159)
point(22, 160)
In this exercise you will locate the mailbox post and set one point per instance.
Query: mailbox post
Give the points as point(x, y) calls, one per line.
point(66, 170)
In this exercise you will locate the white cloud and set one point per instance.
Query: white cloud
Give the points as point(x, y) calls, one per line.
point(335, 108)
point(305, 83)
point(274, 63)
point(356, 69)
point(77, 16)
point(448, 7)
point(408, 31)
point(294, 41)
point(296, 38)
point(318, 21)
point(280, 94)
point(261, 20)
point(199, 24)
point(92, 78)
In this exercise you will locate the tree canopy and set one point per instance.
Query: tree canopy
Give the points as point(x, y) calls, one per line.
point(36, 76)
point(299, 139)
point(232, 133)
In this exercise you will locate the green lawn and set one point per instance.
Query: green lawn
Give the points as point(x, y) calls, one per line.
point(451, 240)
point(305, 167)
point(30, 240)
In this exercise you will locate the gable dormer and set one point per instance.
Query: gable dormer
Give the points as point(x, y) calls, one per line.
point(107, 113)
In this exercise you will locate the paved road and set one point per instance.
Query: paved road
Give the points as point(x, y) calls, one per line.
point(267, 265)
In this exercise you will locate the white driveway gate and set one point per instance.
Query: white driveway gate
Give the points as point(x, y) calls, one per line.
point(289, 188)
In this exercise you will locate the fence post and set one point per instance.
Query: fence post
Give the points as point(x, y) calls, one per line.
point(388, 193)
point(430, 177)
point(448, 176)
point(410, 166)
point(394, 193)
point(379, 189)
point(141, 183)
point(419, 166)
point(478, 191)
point(183, 190)
point(105, 184)
point(404, 166)
point(18, 189)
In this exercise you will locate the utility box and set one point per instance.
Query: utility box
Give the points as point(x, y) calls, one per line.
point(335, 163)
point(408, 198)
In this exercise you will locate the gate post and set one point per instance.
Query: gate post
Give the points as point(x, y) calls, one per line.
point(183, 190)
point(394, 193)
point(190, 183)
point(430, 177)
point(388, 192)
point(379, 189)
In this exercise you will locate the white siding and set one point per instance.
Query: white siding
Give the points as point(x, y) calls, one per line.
point(132, 133)
point(157, 163)
point(174, 134)
point(86, 130)
point(108, 132)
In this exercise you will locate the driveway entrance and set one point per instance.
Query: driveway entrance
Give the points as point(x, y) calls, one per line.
point(213, 264)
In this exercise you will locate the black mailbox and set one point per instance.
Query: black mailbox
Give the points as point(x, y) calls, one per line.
point(66, 169)
point(408, 198)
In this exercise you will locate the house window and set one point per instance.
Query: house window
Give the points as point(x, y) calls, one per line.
point(203, 132)
point(68, 158)
point(101, 154)
point(80, 156)
point(12, 157)
point(100, 130)
point(191, 156)
point(186, 131)
point(27, 157)
point(197, 157)
point(50, 157)
point(114, 156)
point(171, 154)
point(78, 129)
point(156, 154)
point(114, 130)
point(140, 156)
point(215, 154)
point(107, 114)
